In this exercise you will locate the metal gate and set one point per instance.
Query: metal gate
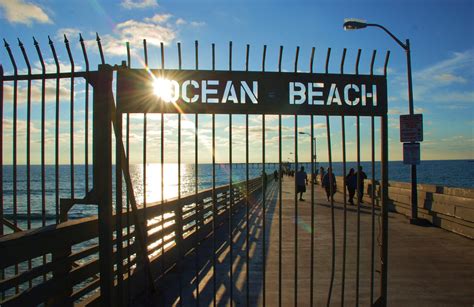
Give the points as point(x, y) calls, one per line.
point(221, 236)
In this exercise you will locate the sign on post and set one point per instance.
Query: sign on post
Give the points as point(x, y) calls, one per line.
point(411, 153)
point(411, 128)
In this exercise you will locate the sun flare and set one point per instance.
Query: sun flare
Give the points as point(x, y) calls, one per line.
point(164, 89)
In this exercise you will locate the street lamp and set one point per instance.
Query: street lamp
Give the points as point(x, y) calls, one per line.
point(356, 24)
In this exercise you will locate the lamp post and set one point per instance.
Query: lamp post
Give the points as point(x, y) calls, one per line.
point(313, 158)
point(355, 24)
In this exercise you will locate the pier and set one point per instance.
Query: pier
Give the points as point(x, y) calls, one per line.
point(428, 266)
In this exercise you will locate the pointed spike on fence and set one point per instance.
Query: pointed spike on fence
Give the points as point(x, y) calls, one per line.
point(19, 42)
point(66, 41)
point(49, 40)
point(35, 42)
point(6, 44)
point(97, 38)
point(386, 63)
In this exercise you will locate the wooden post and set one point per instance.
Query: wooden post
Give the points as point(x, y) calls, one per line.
point(102, 170)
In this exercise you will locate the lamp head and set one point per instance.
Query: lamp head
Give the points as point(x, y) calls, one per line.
point(354, 24)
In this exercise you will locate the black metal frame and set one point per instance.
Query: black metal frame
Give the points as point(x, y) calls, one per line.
point(272, 99)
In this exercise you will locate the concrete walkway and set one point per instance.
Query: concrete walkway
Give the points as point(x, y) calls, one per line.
point(428, 266)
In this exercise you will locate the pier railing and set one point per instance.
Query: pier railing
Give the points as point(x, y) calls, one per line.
point(72, 268)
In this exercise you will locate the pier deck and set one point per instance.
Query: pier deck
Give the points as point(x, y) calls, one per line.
point(428, 266)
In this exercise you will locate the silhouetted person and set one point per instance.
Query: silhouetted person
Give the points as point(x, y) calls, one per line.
point(361, 176)
point(301, 182)
point(351, 183)
point(329, 183)
point(321, 175)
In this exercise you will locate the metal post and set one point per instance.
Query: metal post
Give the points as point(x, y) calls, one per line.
point(414, 191)
point(382, 301)
point(102, 157)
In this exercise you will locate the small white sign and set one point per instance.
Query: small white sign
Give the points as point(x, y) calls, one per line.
point(411, 128)
point(411, 153)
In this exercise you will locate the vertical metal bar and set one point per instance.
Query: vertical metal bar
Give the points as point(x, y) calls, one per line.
point(71, 123)
point(313, 181)
point(331, 176)
point(118, 207)
point(180, 209)
point(264, 194)
point(359, 178)
point(247, 195)
point(296, 194)
point(372, 252)
point(357, 61)
point(344, 170)
point(313, 161)
point(162, 168)
point(15, 116)
point(99, 45)
point(384, 198)
point(231, 189)
point(144, 173)
point(328, 55)
point(385, 66)
point(331, 187)
point(28, 147)
point(372, 213)
point(311, 61)
point(53, 50)
point(145, 53)
point(342, 60)
point(214, 198)
point(344, 243)
point(280, 194)
point(372, 62)
point(196, 182)
point(43, 155)
point(103, 179)
point(28, 141)
point(127, 132)
point(129, 62)
point(86, 116)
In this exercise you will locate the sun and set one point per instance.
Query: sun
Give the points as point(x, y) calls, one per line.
point(165, 89)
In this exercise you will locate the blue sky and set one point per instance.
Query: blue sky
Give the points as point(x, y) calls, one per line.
point(441, 35)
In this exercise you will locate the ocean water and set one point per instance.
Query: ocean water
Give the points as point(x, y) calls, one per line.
point(450, 173)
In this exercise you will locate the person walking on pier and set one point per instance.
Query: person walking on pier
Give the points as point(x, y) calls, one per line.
point(351, 183)
point(329, 183)
point(301, 182)
point(361, 176)
point(321, 175)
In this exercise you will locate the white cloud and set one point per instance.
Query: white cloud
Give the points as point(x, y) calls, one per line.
point(134, 31)
point(158, 18)
point(197, 23)
point(19, 11)
point(71, 34)
point(180, 21)
point(138, 4)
